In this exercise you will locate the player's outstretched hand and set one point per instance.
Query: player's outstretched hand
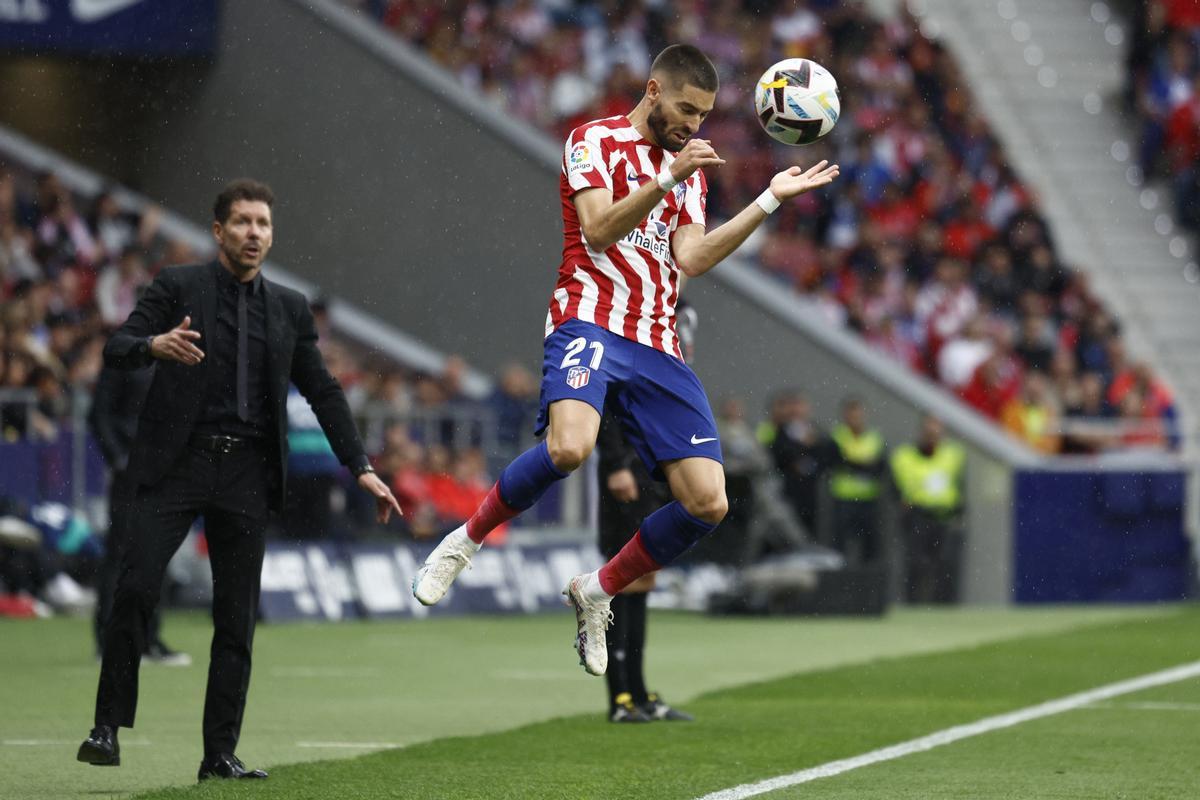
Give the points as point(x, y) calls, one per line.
point(795, 181)
point(695, 154)
point(177, 344)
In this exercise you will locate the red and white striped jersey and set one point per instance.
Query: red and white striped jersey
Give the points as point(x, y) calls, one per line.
point(631, 287)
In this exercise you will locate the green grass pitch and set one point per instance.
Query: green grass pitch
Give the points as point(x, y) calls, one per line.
point(495, 707)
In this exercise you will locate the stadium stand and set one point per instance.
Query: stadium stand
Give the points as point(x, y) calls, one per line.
point(1163, 71)
point(930, 246)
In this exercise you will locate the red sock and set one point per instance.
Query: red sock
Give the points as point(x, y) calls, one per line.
point(627, 566)
point(492, 513)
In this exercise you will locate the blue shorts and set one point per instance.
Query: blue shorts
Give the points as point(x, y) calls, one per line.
point(662, 406)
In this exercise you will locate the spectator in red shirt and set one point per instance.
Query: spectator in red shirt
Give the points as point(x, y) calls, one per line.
point(997, 380)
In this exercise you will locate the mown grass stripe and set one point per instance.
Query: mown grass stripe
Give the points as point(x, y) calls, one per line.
point(960, 732)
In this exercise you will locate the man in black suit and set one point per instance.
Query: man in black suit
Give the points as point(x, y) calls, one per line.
point(212, 441)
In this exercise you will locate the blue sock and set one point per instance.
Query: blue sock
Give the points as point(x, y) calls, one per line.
point(671, 530)
point(528, 477)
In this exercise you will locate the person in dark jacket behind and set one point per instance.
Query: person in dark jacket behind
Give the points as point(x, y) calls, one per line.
point(116, 403)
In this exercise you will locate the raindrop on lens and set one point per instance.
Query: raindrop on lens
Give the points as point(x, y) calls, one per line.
point(1092, 103)
point(1120, 150)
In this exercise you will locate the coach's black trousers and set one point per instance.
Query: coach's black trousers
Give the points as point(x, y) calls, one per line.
point(230, 490)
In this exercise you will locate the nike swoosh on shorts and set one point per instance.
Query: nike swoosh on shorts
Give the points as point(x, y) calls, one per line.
point(702, 441)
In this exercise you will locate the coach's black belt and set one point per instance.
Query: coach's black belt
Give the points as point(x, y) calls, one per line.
point(217, 443)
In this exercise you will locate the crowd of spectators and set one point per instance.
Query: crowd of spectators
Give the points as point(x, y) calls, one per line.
point(1163, 73)
point(929, 245)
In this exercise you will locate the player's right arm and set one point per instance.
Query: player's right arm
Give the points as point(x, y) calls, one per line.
point(604, 222)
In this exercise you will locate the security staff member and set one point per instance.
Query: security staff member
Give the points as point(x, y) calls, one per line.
point(212, 441)
point(859, 460)
point(929, 477)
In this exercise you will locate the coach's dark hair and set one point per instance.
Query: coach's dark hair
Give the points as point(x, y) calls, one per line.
point(241, 189)
point(686, 65)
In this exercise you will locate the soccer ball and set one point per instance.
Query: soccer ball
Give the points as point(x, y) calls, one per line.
point(797, 101)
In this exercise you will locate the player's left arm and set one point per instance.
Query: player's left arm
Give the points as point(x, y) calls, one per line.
point(696, 252)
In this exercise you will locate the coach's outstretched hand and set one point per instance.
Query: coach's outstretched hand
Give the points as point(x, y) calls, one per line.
point(795, 181)
point(695, 154)
point(177, 344)
point(385, 501)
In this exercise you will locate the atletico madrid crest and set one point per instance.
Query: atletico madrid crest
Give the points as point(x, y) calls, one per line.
point(578, 377)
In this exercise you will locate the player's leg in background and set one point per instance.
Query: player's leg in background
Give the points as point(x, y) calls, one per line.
point(620, 699)
point(569, 440)
point(635, 638)
point(698, 485)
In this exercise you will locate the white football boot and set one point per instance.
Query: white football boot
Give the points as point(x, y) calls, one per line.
point(449, 558)
point(593, 618)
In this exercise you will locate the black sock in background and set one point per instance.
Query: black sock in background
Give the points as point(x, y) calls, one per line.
point(635, 610)
point(617, 675)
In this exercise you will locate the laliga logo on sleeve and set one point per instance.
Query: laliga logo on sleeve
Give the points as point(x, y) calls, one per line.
point(578, 377)
point(580, 159)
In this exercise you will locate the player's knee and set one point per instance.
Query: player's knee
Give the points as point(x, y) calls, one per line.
point(710, 506)
point(568, 453)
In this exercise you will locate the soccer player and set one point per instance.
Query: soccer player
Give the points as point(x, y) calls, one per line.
point(633, 203)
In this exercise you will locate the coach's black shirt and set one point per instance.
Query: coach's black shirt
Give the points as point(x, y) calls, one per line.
point(219, 413)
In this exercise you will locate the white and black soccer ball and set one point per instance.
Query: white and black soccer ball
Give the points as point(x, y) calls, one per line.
point(797, 101)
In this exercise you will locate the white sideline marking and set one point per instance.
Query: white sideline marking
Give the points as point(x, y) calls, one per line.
point(538, 675)
point(1150, 706)
point(325, 672)
point(59, 742)
point(350, 745)
point(959, 732)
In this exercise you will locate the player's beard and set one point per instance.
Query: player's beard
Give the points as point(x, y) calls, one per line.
point(657, 121)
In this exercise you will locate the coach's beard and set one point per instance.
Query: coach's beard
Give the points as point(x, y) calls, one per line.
point(657, 121)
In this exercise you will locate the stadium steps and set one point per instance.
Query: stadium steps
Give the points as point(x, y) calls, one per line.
point(1061, 125)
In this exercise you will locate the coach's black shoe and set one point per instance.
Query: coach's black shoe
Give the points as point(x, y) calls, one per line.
point(226, 765)
point(655, 709)
point(623, 710)
point(101, 748)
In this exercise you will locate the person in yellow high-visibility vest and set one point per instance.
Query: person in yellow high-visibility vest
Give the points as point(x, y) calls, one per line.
point(859, 458)
point(929, 477)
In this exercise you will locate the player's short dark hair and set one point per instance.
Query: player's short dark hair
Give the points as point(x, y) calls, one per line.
point(685, 64)
point(241, 189)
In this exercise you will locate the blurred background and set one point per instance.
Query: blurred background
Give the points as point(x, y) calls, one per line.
point(1004, 275)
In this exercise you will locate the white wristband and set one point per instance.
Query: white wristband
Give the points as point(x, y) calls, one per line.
point(666, 181)
point(767, 201)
